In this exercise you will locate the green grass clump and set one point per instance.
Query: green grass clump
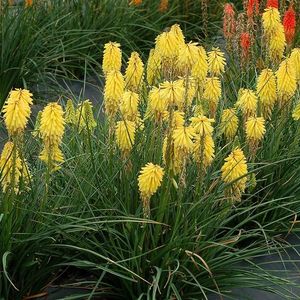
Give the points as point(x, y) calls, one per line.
point(89, 217)
point(85, 219)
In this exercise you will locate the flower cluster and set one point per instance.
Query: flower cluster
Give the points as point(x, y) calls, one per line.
point(51, 131)
point(182, 88)
point(16, 113)
point(13, 168)
point(278, 32)
point(17, 110)
point(176, 103)
point(149, 181)
point(234, 173)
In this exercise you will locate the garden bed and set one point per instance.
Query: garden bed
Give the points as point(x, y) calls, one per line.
point(145, 165)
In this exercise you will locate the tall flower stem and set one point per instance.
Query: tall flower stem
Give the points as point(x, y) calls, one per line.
point(162, 209)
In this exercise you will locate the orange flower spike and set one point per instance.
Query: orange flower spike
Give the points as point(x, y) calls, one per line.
point(28, 3)
point(273, 3)
point(289, 24)
point(136, 2)
point(252, 8)
point(229, 21)
point(245, 42)
point(163, 5)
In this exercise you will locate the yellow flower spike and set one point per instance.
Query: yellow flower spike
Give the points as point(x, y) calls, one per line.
point(134, 72)
point(157, 105)
point(295, 60)
point(70, 115)
point(255, 129)
point(296, 112)
point(204, 150)
point(187, 56)
point(85, 117)
point(167, 45)
point(229, 123)
point(247, 102)
point(274, 33)
point(286, 81)
point(266, 90)
point(234, 173)
point(52, 156)
point(129, 105)
point(114, 86)
point(125, 134)
point(149, 181)
point(113, 92)
point(277, 44)
point(216, 62)
point(10, 167)
point(183, 139)
point(178, 119)
point(173, 92)
point(17, 110)
point(112, 58)
point(271, 20)
point(177, 32)
point(202, 125)
point(51, 130)
point(200, 68)
point(153, 67)
point(52, 124)
point(212, 93)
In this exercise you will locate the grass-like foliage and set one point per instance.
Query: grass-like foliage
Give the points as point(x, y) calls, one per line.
point(89, 216)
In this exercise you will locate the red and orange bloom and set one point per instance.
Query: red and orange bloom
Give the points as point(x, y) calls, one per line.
point(289, 24)
point(245, 43)
point(273, 3)
point(28, 3)
point(136, 2)
point(252, 8)
point(229, 25)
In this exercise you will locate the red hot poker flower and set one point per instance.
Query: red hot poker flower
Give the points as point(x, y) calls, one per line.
point(163, 5)
point(229, 21)
point(273, 3)
point(136, 2)
point(289, 24)
point(252, 8)
point(245, 42)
